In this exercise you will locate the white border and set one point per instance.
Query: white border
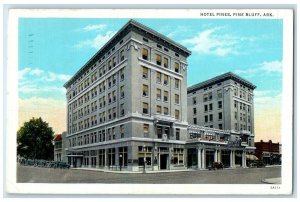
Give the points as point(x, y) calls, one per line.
point(12, 108)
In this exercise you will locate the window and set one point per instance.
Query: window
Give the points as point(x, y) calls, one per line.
point(205, 97)
point(145, 73)
point(235, 91)
point(176, 114)
point(235, 115)
point(158, 94)
point(122, 74)
point(114, 95)
point(205, 108)
point(146, 130)
point(220, 115)
point(109, 65)
point(195, 110)
point(166, 95)
point(166, 62)
point(114, 61)
point(122, 131)
point(113, 133)
point(220, 104)
point(159, 132)
point(145, 108)
point(166, 78)
point(235, 126)
point(220, 126)
point(210, 117)
point(235, 104)
point(210, 106)
point(122, 94)
point(122, 111)
point(219, 93)
point(145, 54)
point(177, 83)
point(158, 109)
point(176, 67)
point(206, 118)
point(177, 134)
point(241, 116)
point(176, 99)
point(195, 120)
point(210, 96)
point(146, 40)
point(158, 77)
point(194, 100)
point(122, 55)
point(166, 111)
point(158, 59)
point(145, 90)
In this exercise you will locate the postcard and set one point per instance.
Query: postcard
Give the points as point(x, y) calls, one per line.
point(149, 101)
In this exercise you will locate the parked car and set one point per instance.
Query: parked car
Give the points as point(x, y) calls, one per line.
point(257, 164)
point(216, 166)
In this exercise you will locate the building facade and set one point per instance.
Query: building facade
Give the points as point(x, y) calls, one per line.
point(224, 102)
point(127, 106)
point(57, 140)
point(268, 152)
point(59, 147)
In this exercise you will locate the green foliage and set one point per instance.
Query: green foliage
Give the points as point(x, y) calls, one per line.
point(34, 140)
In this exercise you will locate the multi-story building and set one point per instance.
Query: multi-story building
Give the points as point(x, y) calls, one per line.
point(268, 152)
point(59, 147)
point(225, 103)
point(57, 140)
point(127, 106)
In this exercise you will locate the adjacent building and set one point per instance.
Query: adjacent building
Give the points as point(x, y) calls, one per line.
point(224, 104)
point(126, 106)
point(268, 152)
point(59, 147)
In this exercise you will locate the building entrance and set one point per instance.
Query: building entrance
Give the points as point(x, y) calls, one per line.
point(209, 157)
point(225, 158)
point(192, 158)
point(163, 161)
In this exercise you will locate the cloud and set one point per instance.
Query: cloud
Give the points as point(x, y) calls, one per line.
point(266, 67)
point(51, 76)
point(97, 42)
point(97, 27)
point(51, 110)
point(212, 42)
point(35, 81)
point(273, 66)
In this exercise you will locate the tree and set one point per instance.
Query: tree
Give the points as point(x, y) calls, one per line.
point(34, 140)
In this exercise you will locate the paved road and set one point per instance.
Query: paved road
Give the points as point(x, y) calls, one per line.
point(227, 176)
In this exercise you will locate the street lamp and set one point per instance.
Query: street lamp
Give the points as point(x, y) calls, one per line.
point(120, 162)
point(144, 149)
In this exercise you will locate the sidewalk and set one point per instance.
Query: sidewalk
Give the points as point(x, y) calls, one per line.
point(272, 180)
point(133, 172)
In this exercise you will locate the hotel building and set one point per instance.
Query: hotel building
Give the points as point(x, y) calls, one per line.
point(127, 106)
point(225, 104)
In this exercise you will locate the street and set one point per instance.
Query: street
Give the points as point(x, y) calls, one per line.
point(30, 174)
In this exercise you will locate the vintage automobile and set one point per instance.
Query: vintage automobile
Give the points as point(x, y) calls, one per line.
point(216, 166)
point(257, 164)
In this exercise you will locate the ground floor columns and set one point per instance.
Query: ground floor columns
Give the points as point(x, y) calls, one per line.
point(216, 156)
point(199, 159)
point(232, 158)
point(244, 159)
point(203, 159)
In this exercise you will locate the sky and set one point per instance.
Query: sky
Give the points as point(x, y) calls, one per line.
point(51, 50)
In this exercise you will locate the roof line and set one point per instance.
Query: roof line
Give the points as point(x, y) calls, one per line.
point(228, 75)
point(137, 24)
